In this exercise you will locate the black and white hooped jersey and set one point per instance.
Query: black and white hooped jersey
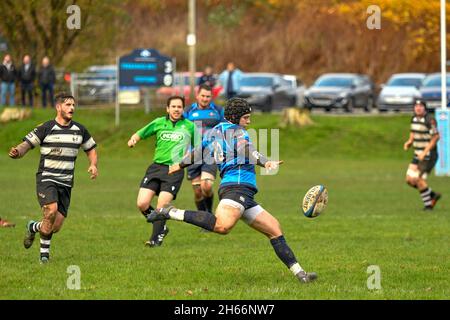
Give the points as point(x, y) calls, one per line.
point(59, 149)
point(423, 129)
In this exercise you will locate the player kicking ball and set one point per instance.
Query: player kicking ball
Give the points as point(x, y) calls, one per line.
point(59, 141)
point(423, 138)
point(235, 155)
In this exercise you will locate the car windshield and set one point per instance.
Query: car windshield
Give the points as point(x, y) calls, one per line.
point(434, 81)
point(404, 82)
point(257, 82)
point(334, 82)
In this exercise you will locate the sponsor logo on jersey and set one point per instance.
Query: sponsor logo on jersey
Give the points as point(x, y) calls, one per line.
point(56, 151)
point(171, 136)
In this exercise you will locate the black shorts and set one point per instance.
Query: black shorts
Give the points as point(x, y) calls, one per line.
point(48, 192)
point(195, 170)
point(427, 164)
point(157, 178)
point(239, 193)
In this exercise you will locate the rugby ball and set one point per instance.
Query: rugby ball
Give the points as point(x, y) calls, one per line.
point(315, 201)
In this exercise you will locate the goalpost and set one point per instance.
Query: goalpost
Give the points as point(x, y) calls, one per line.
point(443, 115)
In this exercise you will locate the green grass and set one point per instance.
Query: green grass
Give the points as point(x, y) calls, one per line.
point(373, 218)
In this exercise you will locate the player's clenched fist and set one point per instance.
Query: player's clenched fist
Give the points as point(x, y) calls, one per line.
point(13, 153)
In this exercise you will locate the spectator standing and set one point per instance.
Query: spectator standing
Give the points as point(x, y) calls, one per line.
point(207, 78)
point(230, 80)
point(8, 75)
point(27, 75)
point(46, 79)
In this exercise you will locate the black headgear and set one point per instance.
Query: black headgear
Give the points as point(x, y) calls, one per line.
point(235, 109)
point(419, 101)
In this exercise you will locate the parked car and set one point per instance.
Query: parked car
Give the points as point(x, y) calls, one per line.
point(400, 92)
point(341, 90)
point(298, 87)
point(431, 90)
point(181, 87)
point(267, 91)
point(96, 84)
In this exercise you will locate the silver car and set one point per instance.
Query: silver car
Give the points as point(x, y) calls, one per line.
point(400, 92)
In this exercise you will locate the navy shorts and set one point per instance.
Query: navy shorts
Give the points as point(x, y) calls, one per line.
point(195, 170)
point(242, 198)
point(243, 195)
point(157, 178)
point(48, 192)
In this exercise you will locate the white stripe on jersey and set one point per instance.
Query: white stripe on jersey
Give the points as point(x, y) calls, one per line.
point(88, 144)
point(62, 176)
point(58, 164)
point(63, 138)
point(57, 151)
point(33, 138)
point(420, 144)
point(419, 127)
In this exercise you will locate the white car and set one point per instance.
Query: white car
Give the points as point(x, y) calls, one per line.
point(400, 92)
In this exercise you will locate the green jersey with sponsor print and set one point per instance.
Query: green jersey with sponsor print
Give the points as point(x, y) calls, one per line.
point(173, 139)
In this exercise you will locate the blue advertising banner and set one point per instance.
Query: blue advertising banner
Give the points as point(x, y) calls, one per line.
point(443, 123)
point(145, 68)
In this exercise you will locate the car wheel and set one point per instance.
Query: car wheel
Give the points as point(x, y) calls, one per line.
point(350, 105)
point(369, 106)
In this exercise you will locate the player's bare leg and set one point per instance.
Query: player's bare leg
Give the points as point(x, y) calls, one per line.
point(45, 228)
point(270, 227)
point(206, 185)
point(198, 194)
point(6, 224)
point(417, 179)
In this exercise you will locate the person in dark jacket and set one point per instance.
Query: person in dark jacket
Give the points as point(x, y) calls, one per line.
point(46, 79)
point(27, 75)
point(8, 74)
point(207, 78)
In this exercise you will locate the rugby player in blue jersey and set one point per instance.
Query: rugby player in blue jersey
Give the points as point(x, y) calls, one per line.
point(206, 115)
point(236, 157)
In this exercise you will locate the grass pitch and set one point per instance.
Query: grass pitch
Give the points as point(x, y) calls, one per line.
point(373, 218)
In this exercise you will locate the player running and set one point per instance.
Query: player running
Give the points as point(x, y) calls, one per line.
point(205, 114)
point(236, 157)
point(174, 135)
point(59, 141)
point(423, 137)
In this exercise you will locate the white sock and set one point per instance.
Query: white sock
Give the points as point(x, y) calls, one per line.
point(177, 214)
point(296, 268)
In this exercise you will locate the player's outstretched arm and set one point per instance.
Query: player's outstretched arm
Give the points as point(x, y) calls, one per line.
point(19, 151)
point(408, 143)
point(92, 156)
point(133, 140)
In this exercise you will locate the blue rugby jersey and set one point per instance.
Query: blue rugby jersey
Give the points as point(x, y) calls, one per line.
point(208, 117)
point(223, 142)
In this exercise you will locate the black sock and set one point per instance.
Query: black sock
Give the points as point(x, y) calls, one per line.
point(147, 212)
point(200, 205)
point(283, 251)
point(209, 203)
point(45, 245)
point(201, 219)
point(158, 228)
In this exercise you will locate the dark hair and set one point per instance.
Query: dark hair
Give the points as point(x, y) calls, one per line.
point(235, 109)
point(175, 98)
point(204, 86)
point(62, 97)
